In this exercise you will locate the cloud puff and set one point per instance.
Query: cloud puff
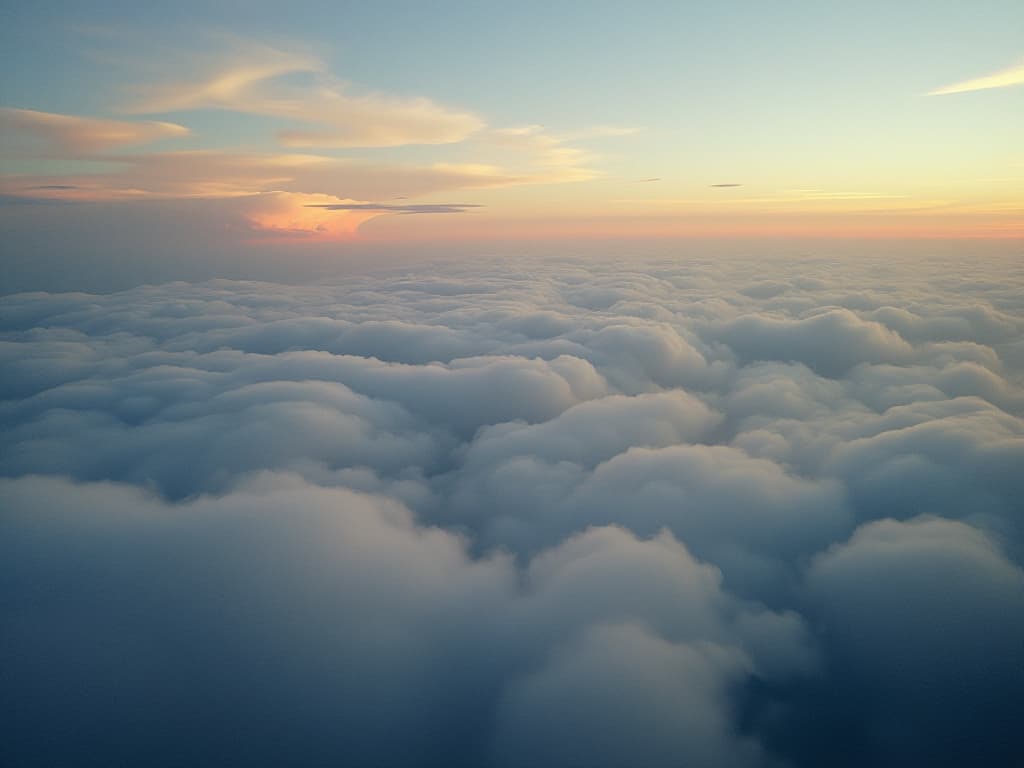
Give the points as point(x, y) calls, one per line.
point(517, 512)
point(673, 699)
point(830, 342)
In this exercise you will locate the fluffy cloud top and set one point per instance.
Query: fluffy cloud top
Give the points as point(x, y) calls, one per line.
point(517, 514)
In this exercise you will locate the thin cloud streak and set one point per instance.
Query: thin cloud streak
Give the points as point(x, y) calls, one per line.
point(83, 135)
point(403, 209)
point(1004, 78)
point(210, 174)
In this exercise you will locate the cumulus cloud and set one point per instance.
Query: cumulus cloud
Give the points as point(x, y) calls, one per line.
point(370, 625)
point(830, 342)
point(671, 698)
point(517, 513)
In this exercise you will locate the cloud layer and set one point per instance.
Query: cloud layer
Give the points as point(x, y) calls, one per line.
point(519, 513)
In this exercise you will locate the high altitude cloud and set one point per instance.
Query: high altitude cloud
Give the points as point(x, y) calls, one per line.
point(550, 151)
point(208, 173)
point(220, 174)
point(73, 135)
point(250, 81)
point(320, 112)
point(712, 512)
point(1004, 78)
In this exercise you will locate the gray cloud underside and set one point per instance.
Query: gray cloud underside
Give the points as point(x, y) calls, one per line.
point(518, 513)
point(413, 208)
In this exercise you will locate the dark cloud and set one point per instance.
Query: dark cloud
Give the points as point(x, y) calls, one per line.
point(21, 200)
point(518, 513)
point(725, 185)
point(411, 208)
point(935, 680)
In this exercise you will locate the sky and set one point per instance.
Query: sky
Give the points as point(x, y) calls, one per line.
point(252, 125)
point(512, 385)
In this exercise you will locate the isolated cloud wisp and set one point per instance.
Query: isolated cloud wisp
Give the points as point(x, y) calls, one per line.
point(1004, 78)
point(409, 208)
point(74, 135)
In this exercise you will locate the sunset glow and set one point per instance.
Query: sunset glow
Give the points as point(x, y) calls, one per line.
point(212, 112)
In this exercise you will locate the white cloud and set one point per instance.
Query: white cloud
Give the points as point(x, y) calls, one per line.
point(250, 80)
point(1004, 78)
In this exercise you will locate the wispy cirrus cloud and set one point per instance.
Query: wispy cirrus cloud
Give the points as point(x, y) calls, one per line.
point(216, 173)
point(222, 82)
point(1004, 78)
point(549, 149)
point(557, 159)
point(284, 185)
point(209, 174)
point(377, 121)
point(254, 79)
point(72, 134)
